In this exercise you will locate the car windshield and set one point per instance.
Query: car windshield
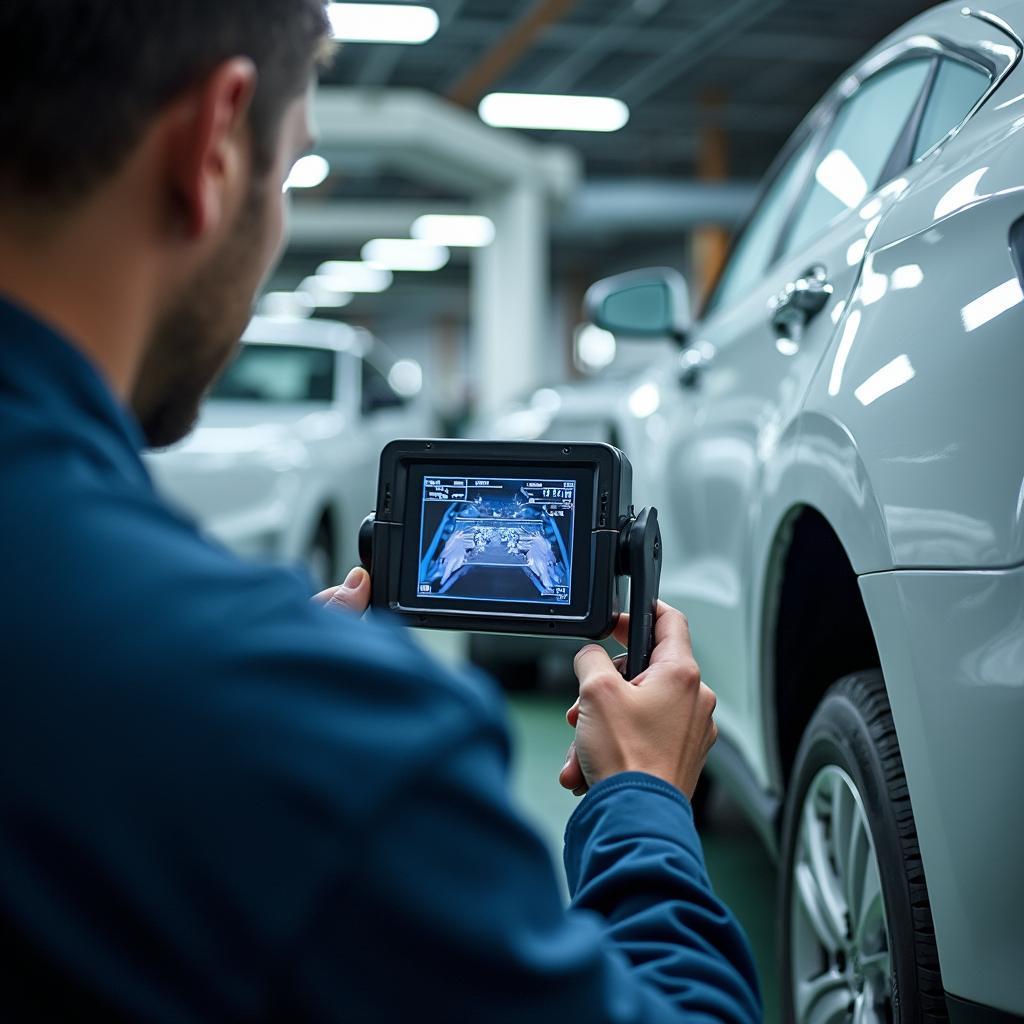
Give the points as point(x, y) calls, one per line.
point(278, 373)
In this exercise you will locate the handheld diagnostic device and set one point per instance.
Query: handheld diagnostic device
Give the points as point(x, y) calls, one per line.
point(508, 537)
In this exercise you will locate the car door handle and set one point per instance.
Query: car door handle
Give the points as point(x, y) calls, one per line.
point(800, 302)
point(694, 361)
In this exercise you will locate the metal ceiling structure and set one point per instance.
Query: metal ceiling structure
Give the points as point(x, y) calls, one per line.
point(752, 67)
point(715, 89)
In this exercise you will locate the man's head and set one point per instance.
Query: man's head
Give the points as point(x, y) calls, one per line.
point(190, 114)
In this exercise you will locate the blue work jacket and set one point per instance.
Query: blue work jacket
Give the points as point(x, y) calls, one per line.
point(221, 803)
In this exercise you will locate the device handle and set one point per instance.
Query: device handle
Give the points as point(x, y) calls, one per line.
point(643, 565)
point(366, 541)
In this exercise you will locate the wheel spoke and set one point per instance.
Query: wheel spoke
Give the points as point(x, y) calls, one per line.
point(844, 825)
point(871, 1010)
point(858, 856)
point(813, 903)
point(823, 1000)
point(826, 882)
point(860, 1011)
point(869, 930)
point(876, 964)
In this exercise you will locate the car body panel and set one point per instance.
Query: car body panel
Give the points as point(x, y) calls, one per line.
point(921, 357)
point(896, 415)
point(750, 395)
point(954, 641)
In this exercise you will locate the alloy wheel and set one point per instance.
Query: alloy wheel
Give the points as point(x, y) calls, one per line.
point(840, 943)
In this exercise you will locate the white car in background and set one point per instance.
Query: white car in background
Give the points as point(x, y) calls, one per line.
point(837, 455)
point(283, 462)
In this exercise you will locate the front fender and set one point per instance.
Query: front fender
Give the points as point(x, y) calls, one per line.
point(816, 466)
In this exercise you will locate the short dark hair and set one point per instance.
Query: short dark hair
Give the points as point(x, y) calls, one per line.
point(81, 79)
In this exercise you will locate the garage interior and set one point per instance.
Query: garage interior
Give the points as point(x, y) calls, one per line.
point(724, 296)
point(713, 94)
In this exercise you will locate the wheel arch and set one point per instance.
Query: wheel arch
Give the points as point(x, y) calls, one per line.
point(815, 629)
point(820, 528)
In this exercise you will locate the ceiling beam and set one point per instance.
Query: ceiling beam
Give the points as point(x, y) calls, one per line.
point(604, 208)
point(326, 225)
point(430, 140)
point(718, 31)
point(518, 41)
point(645, 40)
point(596, 46)
point(740, 116)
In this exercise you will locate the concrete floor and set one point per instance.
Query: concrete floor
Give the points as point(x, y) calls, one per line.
point(742, 872)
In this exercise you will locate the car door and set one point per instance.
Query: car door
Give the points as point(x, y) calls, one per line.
point(760, 344)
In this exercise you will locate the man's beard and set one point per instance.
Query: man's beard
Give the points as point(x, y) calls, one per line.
point(196, 338)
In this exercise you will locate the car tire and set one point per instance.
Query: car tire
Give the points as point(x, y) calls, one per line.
point(857, 940)
point(321, 559)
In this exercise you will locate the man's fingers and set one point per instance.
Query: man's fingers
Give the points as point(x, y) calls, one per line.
point(572, 716)
point(353, 595)
point(621, 632)
point(591, 663)
point(671, 636)
point(571, 775)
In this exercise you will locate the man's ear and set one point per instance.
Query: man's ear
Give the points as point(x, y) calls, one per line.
point(209, 146)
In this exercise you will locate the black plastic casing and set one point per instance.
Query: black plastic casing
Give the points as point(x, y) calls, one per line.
point(610, 510)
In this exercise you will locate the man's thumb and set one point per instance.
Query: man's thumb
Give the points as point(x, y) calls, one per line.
point(353, 594)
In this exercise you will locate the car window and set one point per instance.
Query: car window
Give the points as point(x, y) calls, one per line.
point(860, 143)
point(957, 88)
point(278, 373)
point(378, 393)
point(752, 252)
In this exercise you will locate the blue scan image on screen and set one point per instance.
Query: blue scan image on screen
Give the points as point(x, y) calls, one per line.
point(497, 539)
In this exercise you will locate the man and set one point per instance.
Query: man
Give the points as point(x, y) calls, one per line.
point(219, 800)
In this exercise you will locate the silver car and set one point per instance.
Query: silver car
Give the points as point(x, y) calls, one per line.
point(283, 461)
point(836, 453)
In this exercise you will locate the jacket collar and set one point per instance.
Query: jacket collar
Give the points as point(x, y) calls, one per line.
point(40, 366)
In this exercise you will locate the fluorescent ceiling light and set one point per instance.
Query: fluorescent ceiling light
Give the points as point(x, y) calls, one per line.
point(850, 329)
point(383, 23)
point(406, 254)
point(324, 294)
point(308, 172)
point(645, 401)
point(454, 230)
point(555, 113)
point(287, 305)
point(891, 376)
point(963, 192)
point(406, 377)
point(547, 400)
point(354, 276)
point(908, 276)
point(992, 304)
point(838, 174)
point(595, 347)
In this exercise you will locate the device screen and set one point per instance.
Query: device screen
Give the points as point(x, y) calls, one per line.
point(502, 538)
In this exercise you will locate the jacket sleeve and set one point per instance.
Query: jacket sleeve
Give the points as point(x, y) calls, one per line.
point(451, 911)
point(632, 855)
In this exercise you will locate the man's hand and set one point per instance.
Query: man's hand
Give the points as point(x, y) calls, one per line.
point(659, 723)
point(353, 595)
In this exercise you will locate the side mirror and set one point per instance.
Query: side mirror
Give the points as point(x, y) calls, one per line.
point(652, 303)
